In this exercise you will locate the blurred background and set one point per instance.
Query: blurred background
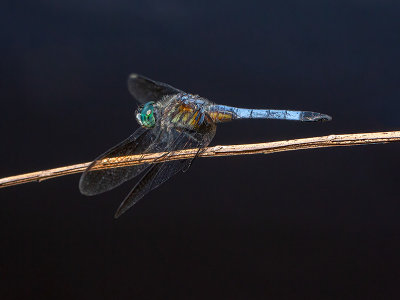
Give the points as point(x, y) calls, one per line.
point(320, 224)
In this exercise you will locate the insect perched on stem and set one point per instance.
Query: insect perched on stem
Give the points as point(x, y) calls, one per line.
point(170, 120)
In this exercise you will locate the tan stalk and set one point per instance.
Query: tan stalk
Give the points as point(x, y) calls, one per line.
point(216, 151)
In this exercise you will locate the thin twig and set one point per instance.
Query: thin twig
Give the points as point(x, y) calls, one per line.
point(262, 148)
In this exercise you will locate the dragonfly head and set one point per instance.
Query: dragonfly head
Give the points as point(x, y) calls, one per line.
point(145, 115)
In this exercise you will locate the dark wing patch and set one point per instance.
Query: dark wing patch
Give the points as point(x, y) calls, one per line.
point(144, 89)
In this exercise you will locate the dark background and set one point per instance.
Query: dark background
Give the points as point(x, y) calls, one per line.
point(316, 224)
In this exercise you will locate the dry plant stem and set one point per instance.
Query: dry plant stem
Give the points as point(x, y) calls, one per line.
point(262, 148)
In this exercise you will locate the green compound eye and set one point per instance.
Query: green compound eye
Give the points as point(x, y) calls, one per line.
point(147, 115)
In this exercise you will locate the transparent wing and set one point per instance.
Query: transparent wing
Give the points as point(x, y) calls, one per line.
point(94, 182)
point(161, 172)
point(144, 89)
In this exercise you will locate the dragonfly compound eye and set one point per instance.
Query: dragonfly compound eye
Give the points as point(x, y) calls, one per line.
point(147, 118)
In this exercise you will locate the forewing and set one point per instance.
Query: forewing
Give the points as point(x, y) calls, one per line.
point(144, 89)
point(94, 182)
point(161, 172)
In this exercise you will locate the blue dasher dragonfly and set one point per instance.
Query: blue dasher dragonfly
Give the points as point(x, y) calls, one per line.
point(170, 120)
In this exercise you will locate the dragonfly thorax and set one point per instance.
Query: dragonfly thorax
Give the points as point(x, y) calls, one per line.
point(145, 115)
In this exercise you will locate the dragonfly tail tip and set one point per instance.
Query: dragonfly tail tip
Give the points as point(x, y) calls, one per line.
point(309, 116)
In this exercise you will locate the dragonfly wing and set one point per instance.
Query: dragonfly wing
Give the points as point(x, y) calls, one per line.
point(94, 182)
point(144, 89)
point(161, 172)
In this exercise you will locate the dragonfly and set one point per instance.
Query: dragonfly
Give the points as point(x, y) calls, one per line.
point(170, 120)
